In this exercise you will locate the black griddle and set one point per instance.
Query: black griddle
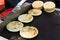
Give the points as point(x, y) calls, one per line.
point(47, 24)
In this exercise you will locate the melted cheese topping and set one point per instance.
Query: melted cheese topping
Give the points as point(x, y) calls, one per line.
point(29, 31)
point(14, 25)
point(49, 5)
point(37, 4)
point(25, 18)
point(35, 12)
